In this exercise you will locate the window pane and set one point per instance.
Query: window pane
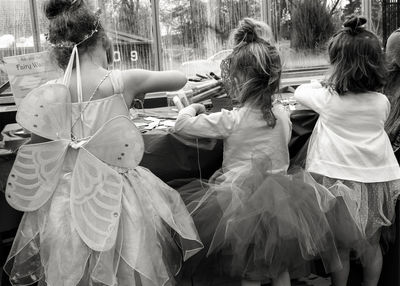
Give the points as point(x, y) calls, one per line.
point(195, 34)
point(128, 23)
point(15, 31)
point(376, 15)
point(304, 27)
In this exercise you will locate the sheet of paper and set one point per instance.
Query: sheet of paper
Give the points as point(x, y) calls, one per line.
point(29, 71)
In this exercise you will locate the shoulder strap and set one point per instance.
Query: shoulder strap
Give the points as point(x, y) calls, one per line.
point(117, 82)
point(68, 72)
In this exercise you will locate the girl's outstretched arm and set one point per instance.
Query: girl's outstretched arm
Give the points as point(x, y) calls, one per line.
point(312, 95)
point(193, 122)
point(138, 82)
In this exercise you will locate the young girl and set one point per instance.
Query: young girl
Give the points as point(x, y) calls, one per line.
point(92, 215)
point(265, 221)
point(349, 149)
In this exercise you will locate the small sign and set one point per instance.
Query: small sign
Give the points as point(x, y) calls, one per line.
point(134, 56)
point(26, 72)
point(117, 56)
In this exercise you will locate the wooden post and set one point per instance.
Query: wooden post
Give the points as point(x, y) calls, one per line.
point(266, 11)
point(266, 15)
point(35, 25)
point(366, 9)
point(157, 47)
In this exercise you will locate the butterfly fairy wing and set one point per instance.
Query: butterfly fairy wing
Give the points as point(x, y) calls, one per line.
point(95, 201)
point(118, 143)
point(97, 187)
point(46, 111)
point(34, 175)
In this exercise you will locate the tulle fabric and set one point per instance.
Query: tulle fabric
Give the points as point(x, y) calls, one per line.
point(156, 233)
point(255, 223)
point(360, 212)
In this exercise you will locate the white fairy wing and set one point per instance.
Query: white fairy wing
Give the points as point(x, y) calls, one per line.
point(35, 174)
point(95, 201)
point(96, 187)
point(46, 111)
point(118, 143)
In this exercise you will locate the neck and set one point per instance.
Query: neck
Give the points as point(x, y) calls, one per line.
point(92, 61)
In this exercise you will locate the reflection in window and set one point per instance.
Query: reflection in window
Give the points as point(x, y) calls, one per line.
point(195, 34)
point(129, 25)
point(15, 31)
point(303, 27)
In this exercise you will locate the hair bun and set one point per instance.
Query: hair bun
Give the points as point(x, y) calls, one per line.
point(53, 8)
point(247, 31)
point(354, 22)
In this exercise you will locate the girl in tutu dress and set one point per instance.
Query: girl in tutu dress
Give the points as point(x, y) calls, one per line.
point(92, 215)
point(263, 222)
point(349, 151)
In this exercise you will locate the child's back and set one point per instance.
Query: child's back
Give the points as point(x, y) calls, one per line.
point(246, 135)
point(253, 138)
point(349, 140)
point(92, 215)
point(265, 220)
point(349, 150)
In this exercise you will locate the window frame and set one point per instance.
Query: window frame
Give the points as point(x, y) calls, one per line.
point(266, 16)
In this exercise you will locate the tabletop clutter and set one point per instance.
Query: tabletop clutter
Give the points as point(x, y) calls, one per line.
point(206, 89)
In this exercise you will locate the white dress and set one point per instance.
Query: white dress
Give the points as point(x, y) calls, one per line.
point(92, 215)
point(253, 218)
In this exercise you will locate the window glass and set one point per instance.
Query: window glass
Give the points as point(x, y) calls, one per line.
point(195, 33)
point(303, 42)
point(15, 31)
point(129, 25)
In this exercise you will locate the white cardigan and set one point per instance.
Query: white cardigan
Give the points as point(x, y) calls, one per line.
point(349, 141)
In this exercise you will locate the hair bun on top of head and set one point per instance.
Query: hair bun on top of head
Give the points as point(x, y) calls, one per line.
point(355, 23)
point(247, 31)
point(53, 8)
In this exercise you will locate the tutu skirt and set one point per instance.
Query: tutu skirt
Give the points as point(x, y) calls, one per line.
point(156, 233)
point(255, 225)
point(360, 212)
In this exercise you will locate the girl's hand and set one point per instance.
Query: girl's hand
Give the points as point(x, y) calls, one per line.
point(200, 108)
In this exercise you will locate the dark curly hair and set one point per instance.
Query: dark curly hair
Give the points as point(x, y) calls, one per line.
point(70, 23)
point(357, 59)
point(256, 62)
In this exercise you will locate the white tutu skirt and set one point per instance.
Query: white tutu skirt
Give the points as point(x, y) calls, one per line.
point(360, 212)
point(255, 225)
point(156, 233)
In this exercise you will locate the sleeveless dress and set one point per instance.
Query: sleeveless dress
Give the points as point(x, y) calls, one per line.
point(92, 215)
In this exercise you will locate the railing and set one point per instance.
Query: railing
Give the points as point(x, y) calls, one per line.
point(390, 17)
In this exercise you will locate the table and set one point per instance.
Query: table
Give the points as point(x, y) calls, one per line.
point(173, 157)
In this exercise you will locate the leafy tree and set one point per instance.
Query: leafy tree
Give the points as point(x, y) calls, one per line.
point(312, 25)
